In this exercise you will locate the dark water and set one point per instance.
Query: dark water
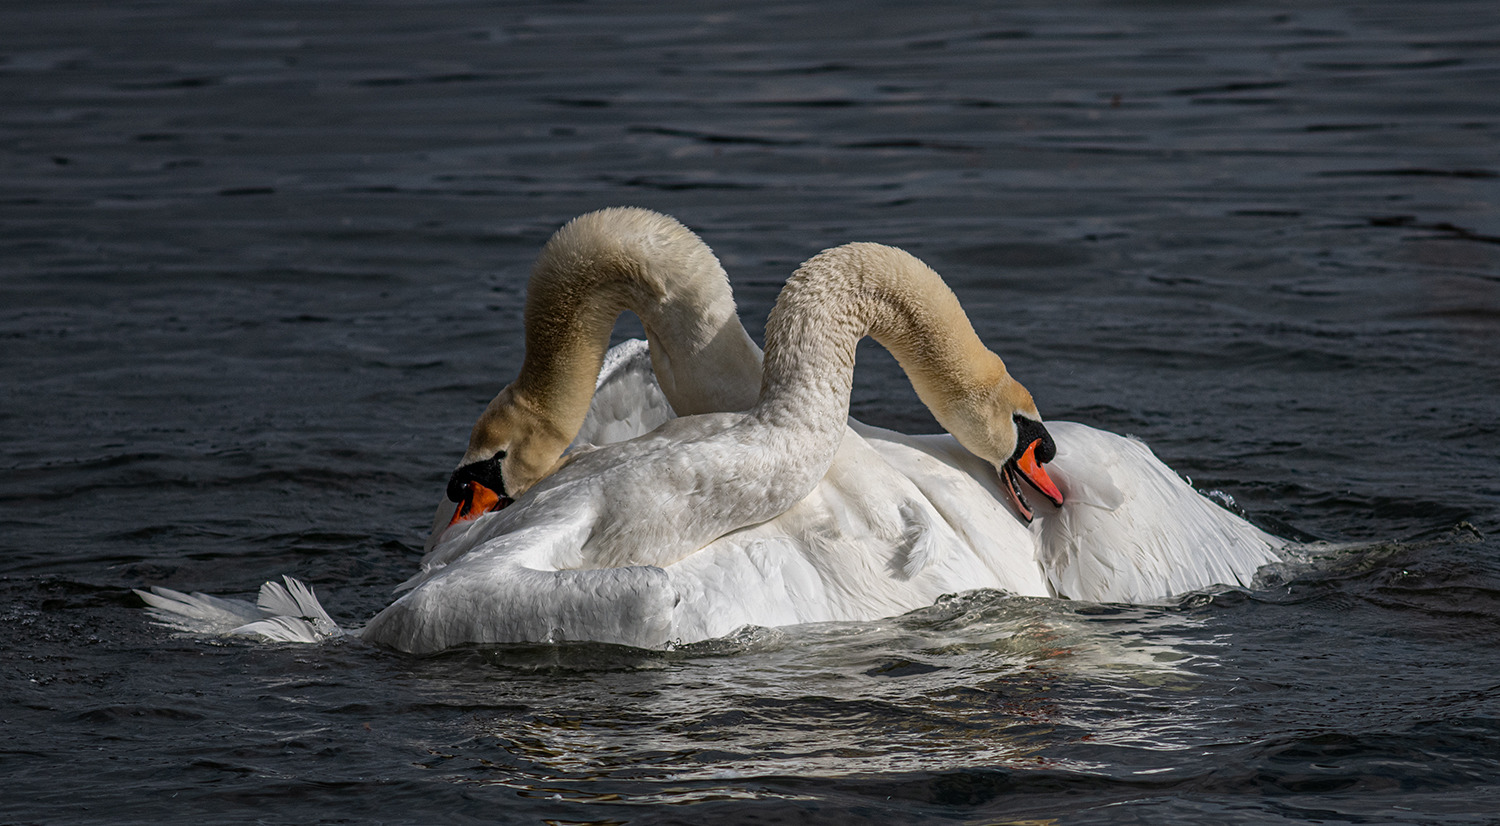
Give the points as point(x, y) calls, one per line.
point(261, 265)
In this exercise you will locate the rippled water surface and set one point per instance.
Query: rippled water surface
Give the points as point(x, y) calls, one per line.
point(261, 265)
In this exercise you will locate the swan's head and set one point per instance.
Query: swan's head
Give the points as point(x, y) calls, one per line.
point(511, 448)
point(999, 422)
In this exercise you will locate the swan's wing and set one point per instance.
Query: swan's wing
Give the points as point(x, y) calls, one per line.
point(1131, 530)
point(627, 402)
point(647, 482)
point(1136, 532)
point(963, 492)
point(877, 537)
point(505, 591)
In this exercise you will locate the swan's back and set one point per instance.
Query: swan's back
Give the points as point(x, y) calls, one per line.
point(627, 401)
point(1132, 530)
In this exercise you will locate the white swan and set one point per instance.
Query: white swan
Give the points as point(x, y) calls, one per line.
point(895, 522)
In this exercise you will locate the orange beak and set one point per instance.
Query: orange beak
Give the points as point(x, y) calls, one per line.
point(1027, 467)
point(478, 500)
point(1032, 472)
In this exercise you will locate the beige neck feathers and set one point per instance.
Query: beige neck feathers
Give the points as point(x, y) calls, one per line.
point(843, 294)
point(598, 266)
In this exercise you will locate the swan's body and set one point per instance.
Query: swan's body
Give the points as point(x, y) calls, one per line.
point(784, 514)
point(1132, 530)
point(603, 542)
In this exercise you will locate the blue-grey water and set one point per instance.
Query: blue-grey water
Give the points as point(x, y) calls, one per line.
point(261, 265)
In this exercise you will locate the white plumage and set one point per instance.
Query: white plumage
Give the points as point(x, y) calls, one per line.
point(695, 528)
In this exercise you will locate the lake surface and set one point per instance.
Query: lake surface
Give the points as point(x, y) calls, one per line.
point(261, 265)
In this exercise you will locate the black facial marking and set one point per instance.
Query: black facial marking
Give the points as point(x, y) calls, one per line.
point(1031, 430)
point(486, 472)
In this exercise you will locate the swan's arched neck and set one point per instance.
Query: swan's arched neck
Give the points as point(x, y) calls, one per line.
point(843, 294)
point(605, 263)
point(596, 267)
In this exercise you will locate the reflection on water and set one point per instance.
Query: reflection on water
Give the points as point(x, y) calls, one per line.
point(977, 680)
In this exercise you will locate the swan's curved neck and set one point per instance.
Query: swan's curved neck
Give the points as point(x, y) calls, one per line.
point(604, 263)
point(843, 294)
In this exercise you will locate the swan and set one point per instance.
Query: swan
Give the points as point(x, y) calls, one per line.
point(596, 543)
point(530, 552)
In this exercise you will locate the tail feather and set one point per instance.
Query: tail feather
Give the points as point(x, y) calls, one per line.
point(197, 612)
point(296, 614)
point(286, 611)
point(287, 629)
point(294, 599)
